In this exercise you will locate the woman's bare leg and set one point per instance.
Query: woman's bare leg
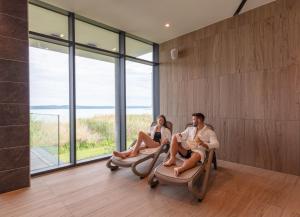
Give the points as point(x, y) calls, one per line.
point(129, 152)
point(142, 137)
point(149, 143)
point(188, 164)
point(122, 154)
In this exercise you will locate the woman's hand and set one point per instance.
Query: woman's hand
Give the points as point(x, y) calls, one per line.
point(165, 141)
point(178, 134)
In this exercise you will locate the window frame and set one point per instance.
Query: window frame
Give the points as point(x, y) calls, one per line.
point(120, 81)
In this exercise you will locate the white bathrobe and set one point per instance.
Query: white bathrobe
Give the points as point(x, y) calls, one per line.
point(207, 135)
point(165, 133)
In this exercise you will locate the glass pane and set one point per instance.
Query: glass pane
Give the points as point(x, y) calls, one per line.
point(139, 49)
point(138, 99)
point(95, 105)
point(95, 36)
point(47, 22)
point(49, 105)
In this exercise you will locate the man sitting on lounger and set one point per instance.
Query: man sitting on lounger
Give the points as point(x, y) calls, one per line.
point(192, 144)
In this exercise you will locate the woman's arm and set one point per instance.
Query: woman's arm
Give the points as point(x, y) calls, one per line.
point(151, 131)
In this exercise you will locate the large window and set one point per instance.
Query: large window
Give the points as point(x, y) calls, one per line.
point(81, 80)
point(95, 105)
point(49, 105)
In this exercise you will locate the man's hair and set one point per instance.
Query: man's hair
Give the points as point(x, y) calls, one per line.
point(199, 115)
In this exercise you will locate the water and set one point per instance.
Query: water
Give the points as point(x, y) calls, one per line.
point(86, 113)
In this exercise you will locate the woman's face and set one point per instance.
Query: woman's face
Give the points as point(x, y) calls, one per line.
point(160, 121)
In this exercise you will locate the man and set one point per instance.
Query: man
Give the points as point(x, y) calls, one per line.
point(192, 144)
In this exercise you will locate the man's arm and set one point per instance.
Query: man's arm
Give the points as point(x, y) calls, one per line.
point(184, 134)
point(213, 141)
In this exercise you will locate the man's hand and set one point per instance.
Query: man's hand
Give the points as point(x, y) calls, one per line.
point(201, 143)
point(204, 145)
point(191, 144)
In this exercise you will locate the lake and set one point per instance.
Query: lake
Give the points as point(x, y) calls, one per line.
point(52, 114)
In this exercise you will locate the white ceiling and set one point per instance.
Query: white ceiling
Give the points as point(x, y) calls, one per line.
point(146, 18)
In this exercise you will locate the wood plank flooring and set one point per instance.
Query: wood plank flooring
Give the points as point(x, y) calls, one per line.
point(92, 190)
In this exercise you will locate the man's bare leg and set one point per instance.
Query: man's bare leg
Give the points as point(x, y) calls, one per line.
point(175, 147)
point(188, 164)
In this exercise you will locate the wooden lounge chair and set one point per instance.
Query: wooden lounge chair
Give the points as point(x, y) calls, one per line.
point(149, 153)
point(196, 178)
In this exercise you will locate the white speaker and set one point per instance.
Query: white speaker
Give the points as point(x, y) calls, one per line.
point(174, 53)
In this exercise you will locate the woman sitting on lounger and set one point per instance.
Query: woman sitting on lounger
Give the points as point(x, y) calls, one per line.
point(158, 135)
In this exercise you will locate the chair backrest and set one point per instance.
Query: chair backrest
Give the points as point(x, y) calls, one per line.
point(169, 125)
point(208, 125)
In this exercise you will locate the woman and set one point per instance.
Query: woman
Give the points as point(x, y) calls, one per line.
point(159, 134)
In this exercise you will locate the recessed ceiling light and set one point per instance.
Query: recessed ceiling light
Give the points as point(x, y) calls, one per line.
point(167, 25)
point(55, 35)
point(91, 44)
point(61, 35)
point(114, 49)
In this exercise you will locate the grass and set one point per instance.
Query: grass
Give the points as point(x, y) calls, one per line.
point(95, 135)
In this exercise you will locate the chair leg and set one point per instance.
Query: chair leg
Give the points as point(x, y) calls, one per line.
point(192, 185)
point(111, 166)
point(215, 161)
point(154, 157)
point(140, 174)
point(152, 180)
point(195, 186)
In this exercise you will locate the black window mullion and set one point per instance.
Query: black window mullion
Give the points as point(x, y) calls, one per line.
point(155, 81)
point(121, 95)
point(72, 89)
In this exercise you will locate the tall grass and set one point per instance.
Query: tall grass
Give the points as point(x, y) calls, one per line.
point(95, 136)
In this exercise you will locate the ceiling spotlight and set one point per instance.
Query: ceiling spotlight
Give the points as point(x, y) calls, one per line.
point(167, 25)
point(61, 35)
point(114, 49)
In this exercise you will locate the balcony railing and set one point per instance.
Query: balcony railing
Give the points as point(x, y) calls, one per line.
point(44, 141)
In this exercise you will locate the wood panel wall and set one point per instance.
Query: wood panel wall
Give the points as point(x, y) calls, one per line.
point(244, 74)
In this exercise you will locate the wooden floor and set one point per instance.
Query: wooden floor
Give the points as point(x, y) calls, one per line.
point(92, 190)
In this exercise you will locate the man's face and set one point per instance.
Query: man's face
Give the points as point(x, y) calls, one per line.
point(195, 121)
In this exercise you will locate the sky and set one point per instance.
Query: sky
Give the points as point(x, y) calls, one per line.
point(95, 80)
